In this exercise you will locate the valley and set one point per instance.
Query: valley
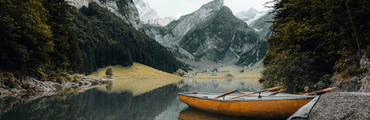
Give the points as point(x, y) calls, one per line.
point(211, 35)
point(138, 59)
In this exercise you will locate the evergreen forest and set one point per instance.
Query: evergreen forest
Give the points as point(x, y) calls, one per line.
point(44, 38)
point(313, 39)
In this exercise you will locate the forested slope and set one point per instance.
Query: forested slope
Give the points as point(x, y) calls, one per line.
point(312, 39)
point(46, 38)
point(105, 39)
point(35, 38)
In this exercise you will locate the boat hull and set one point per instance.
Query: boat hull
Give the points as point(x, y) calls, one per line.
point(247, 108)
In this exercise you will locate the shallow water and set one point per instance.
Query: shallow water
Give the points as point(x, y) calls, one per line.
point(125, 99)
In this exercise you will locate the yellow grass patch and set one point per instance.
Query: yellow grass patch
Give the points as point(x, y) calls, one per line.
point(137, 86)
point(137, 79)
point(137, 71)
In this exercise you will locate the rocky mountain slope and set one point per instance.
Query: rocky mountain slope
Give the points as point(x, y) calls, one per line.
point(212, 33)
point(149, 15)
point(250, 16)
point(125, 9)
point(107, 32)
point(145, 12)
point(262, 25)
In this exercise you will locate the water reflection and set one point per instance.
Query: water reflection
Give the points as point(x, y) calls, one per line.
point(122, 100)
point(136, 86)
point(195, 114)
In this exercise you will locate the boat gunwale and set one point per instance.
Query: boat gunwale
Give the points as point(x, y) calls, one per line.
point(245, 100)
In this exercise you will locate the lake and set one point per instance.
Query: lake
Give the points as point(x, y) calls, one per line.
point(125, 99)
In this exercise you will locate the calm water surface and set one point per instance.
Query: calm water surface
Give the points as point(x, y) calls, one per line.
point(125, 99)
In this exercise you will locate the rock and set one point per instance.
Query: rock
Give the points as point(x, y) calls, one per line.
point(356, 79)
point(84, 83)
point(348, 86)
point(32, 86)
point(211, 33)
point(58, 86)
point(341, 106)
point(78, 3)
point(149, 15)
point(126, 11)
point(365, 82)
point(365, 62)
point(320, 85)
point(75, 85)
point(67, 85)
point(95, 82)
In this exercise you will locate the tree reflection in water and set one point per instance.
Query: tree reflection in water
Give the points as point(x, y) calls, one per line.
point(97, 104)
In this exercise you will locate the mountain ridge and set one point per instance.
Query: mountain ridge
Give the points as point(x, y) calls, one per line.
point(211, 33)
point(125, 9)
point(250, 15)
point(150, 16)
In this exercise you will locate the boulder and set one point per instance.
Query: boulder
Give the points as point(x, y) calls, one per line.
point(348, 86)
point(320, 85)
point(67, 85)
point(365, 82)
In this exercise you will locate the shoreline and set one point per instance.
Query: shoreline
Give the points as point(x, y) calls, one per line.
point(32, 86)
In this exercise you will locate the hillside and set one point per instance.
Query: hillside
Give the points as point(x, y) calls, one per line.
point(105, 39)
point(137, 79)
point(136, 71)
point(316, 40)
point(48, 41)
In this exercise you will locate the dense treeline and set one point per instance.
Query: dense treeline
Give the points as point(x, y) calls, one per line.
point(105, 39)
point(312, 38)
point(35, 37)
point(45, 38)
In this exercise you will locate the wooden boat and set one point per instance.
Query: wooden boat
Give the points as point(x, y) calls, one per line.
point(278, 106)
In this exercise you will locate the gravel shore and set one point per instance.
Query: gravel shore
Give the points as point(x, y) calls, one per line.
point(341, 106)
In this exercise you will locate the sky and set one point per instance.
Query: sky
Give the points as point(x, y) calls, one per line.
point(177, 8)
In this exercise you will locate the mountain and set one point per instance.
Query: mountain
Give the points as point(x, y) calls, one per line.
point(161, 21)
point(262, 25)
point(211, 33)
point(106, 38)
point(250, 16)
point(149, 15)
point(125, 9)
point(146, 13)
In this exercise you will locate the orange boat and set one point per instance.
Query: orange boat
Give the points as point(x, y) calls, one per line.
point(255, 106)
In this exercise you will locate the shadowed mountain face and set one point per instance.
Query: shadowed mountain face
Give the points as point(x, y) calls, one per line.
point(212, 33)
